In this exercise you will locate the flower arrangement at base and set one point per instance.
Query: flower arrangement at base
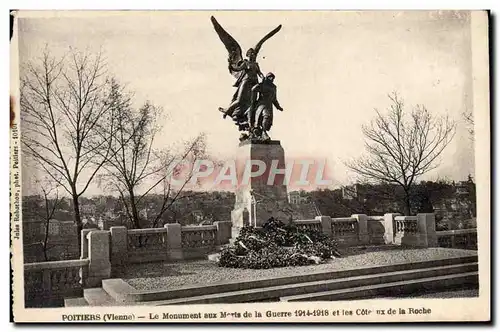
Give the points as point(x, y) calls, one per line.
point(277, 244)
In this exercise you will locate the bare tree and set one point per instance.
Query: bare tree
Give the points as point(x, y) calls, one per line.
point(51, 202)
point(133, 167)
point(48, 201)
point(62, 100)
point(402, 146)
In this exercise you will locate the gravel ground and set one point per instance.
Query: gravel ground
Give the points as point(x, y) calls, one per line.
point(163, 275)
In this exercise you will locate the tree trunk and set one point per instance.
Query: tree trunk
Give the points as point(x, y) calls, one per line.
point(133, 207)
point(78, 219)
point(46, 240)
point(407, 202)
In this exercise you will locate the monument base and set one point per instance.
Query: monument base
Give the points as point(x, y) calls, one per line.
point(258, 199)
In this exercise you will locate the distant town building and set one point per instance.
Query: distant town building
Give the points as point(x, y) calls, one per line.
point(62, 240)
point(298, 197)
point(350, 192)
point(88, 209)
point(198, 216)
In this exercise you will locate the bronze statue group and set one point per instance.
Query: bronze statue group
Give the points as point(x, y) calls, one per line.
point(251, 107)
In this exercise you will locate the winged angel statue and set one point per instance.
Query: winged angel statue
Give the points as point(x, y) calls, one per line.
point(251, 105)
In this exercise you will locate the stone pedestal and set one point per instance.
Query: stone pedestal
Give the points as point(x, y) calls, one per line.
point(98, 253)
point(363, 236)
point(174, 241)
point(426, 223)
point(261, 192)
point(118, 245)
point(389, 227)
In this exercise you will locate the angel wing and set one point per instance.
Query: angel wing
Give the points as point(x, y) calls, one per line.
point(232, 46)
point(266, 37)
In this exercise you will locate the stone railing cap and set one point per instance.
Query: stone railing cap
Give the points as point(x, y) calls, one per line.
point(405, 218)
point(308, 221)
point(344, 219)
point(38, 266)
point(199, 228)
point(147, 231)
point(457, 232)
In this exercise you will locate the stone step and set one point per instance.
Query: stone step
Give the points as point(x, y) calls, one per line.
point(98, 297)
point(123, 292)
point(277, 292)
point(75, 302)
point(386, 289)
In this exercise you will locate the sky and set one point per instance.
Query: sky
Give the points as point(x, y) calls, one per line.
point(332, 70)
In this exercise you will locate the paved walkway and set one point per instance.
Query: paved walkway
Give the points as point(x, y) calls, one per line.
point(163, 275)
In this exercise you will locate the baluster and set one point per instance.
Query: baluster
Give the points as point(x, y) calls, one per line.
point(211, 241)
point(190, 239)
point(76, 278)
point(68, 277)
point(202, 238)
point(199, 239)
point(184, 239)
point(132, 241)
point(54, 280)
point(63, 279)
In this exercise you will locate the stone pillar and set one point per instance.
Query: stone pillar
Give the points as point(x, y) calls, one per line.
point(223, 231)
point(363, 236)
point(326, 224)
point(255, 161)
point(427, 229)
point(118, 245)
point(174, 241)
point(99, 266)
point(84, 250)
point(389, 227)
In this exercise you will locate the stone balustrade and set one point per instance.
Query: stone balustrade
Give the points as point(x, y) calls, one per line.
point(391, 228)
point(199, 236)
point(406, 225)
point(406, 231)
point(344, 226)
point(104, 251)
point(460, 238)
point(173, 242)
point(197, 241)
point(309, 224)
point(50, 282)
point(147, 239)
point(346, 231)
point(142, 245)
